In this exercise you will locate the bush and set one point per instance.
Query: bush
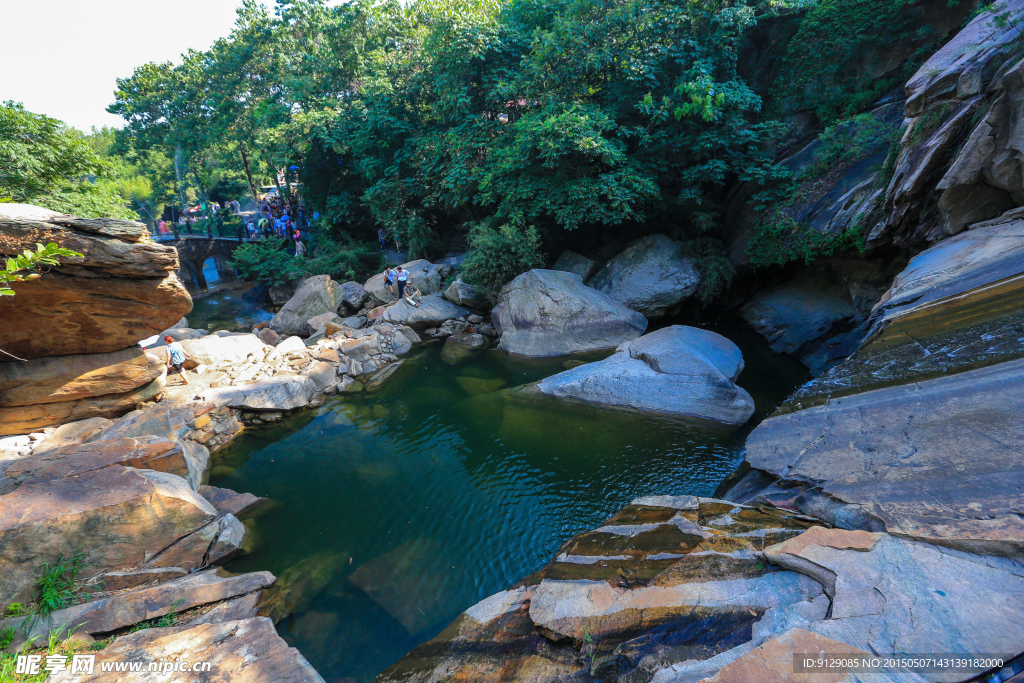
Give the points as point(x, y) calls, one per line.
point(496, 255)
point(272, 261)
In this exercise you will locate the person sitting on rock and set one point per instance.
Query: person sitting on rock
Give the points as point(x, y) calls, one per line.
point(413, 296)
point(176, 356)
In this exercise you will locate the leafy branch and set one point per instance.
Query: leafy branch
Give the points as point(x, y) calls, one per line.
point(29, 260)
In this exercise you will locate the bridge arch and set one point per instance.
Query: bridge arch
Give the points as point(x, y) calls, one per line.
point(195, 250)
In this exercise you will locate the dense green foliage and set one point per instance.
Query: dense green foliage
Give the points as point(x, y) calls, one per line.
point(548, 117)
point(44, 162)
point(497, 255)
point(272, 261)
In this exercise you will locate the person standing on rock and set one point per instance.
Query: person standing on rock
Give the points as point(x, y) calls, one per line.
point(176, 356)
point(403, 278)
point(389, 281)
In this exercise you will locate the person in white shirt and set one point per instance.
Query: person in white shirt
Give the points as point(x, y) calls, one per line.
point(402, 276)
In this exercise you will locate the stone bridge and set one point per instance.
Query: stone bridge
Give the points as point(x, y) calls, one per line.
point(194, 250)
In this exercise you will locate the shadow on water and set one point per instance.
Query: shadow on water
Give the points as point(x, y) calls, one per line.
point(400, 509)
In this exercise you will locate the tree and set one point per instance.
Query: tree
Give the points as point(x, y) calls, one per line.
point(44, 162)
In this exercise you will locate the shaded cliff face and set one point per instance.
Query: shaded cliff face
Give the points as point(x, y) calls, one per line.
point(77, 326)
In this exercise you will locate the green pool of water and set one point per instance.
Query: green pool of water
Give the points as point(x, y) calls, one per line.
point(395, 511)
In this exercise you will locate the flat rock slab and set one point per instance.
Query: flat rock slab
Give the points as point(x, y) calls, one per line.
point(244, 651)
point(145, 452)
point(283, 392)
point(69, 378)
point(938, 460)
point(117, 517)
point(891, 595)
point(125, 609)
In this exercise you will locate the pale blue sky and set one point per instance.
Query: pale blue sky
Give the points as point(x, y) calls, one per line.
point(60, 57)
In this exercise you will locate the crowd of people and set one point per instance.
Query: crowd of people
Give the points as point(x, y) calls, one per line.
point(276, 220)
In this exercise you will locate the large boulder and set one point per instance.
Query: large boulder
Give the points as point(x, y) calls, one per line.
point(432, 311)
point(116, 517)
point(123, 289)
point(683, 371)
point(231, 348)
point(464, 294)
point(552, 313)
point(423, 275)
point(353, 295)
point(315, 296)
point(650, 276)
point(458, 347)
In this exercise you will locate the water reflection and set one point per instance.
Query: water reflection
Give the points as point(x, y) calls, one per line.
point(398, 510)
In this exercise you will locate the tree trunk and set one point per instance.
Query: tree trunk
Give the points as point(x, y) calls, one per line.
point(248, 174)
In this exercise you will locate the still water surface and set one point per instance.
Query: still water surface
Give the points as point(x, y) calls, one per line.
point(398, 510)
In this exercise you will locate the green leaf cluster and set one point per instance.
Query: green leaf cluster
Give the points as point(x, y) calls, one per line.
point(15, 266)
point(498, 254)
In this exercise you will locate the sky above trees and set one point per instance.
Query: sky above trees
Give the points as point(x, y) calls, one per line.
point(62, 57)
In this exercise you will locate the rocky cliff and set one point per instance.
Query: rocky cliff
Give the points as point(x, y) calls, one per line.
point(78, 326)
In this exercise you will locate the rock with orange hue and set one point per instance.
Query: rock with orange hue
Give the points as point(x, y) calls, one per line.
point(116, 517)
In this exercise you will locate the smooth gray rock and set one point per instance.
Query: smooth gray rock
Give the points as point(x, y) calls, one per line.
point(315, 296)
point(649, 276)
point(214, 349)
point(431, 312)
point(322, 374)
point(463, 294)
point(891, 594)
point(936, 460)
point(552, 313)
point(571, 262)
point(798, 313)
point(683, 371)
point(423, 275)
point(282, 392)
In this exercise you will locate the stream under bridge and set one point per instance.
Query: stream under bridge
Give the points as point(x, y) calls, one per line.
point(195, 250)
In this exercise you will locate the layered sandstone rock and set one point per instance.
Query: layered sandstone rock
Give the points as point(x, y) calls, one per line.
point(116, 517)
point(122, 290)
point(667, 579)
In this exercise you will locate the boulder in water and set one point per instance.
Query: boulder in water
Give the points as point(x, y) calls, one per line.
point(683, 371)
point(552, 313)
point(459, 347)
point(650, 276)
